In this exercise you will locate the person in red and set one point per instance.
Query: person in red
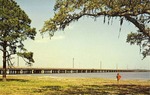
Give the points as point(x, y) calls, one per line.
point(118, 77)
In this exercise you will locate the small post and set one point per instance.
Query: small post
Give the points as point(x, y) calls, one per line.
point(73, 62)
point(100, 64)
point(17, 61)
point(117, 66)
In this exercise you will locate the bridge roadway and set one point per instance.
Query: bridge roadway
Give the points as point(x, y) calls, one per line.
point(64, 70)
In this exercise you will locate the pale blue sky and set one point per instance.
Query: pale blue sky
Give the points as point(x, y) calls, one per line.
point(87, 41)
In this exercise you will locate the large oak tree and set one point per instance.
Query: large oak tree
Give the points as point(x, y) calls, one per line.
point(136, 12)
point(14, 29)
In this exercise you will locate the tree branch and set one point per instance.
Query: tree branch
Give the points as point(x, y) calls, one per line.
point(141, 27)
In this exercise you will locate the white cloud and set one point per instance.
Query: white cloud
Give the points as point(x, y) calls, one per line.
point(60, 37)
point(70, 27)
point(42, 40)
point(47, 39)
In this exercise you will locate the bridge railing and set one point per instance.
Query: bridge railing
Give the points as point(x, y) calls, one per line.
point(62, 70)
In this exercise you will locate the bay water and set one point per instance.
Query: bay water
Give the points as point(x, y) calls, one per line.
point(111, 75)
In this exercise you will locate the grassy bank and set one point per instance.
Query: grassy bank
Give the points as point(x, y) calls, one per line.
point(33, 85)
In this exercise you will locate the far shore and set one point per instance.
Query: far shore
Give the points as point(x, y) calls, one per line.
point(46, 85)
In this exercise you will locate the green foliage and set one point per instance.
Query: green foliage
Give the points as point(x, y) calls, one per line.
point(27, 55)
point(135, 11)
point(14, 29)
point(140, 40)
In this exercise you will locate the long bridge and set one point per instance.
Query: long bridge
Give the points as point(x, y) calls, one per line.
point(64, 70)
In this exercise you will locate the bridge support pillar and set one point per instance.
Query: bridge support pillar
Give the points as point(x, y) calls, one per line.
point(21, 71)
point(42, 71)
point(32, 72)
point(7, 71)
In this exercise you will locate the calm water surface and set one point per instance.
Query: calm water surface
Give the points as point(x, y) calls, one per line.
point(125, 75)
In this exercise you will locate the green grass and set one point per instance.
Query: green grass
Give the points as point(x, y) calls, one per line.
point(33, 85)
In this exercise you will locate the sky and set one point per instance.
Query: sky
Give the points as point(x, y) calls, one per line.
point(92, 44)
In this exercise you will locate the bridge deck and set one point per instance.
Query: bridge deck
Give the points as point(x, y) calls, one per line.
point(64, 70)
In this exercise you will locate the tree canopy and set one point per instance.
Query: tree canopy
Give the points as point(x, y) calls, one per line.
point(14, 29)
point(136, 12)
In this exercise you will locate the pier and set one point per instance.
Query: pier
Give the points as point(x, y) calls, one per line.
point(64, 70)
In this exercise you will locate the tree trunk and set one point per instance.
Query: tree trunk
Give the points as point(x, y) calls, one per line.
point(4, 60)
